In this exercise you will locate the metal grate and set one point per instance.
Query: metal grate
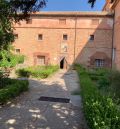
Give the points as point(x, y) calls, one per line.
point(53, 99)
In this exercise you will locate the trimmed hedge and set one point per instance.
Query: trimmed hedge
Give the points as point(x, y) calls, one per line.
point(13, 89)
point(100, 110)
point(37, 72)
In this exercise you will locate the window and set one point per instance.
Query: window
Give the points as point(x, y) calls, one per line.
point(91, 38)
point(29, 21)
point(41, 60)
point(99, 62)
point(17, 50)
point(62, 21)
point(65, 37)
point(40, 37)
point(95, 21)
point(16, 36)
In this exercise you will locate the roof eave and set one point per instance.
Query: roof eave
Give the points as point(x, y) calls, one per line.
point(73, 14)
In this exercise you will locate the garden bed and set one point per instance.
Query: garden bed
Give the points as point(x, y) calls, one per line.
point(101, 110)
point(37, 71)
point(11, 88)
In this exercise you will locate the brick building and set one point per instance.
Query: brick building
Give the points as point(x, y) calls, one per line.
point(65, 38)
point(114, 7)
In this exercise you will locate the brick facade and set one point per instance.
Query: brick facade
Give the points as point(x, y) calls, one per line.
point(75, 36)
point(101, 56)
point(116, 36)
point(115, 8)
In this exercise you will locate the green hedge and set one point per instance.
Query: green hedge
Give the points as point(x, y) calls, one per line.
point(13, 89)
point(37, 72)
point(106, 80)
point(100, 111)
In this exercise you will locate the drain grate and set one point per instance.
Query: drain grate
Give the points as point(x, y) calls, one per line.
point(53, 99)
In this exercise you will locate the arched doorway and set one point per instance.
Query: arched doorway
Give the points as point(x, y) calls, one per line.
point(63, 63)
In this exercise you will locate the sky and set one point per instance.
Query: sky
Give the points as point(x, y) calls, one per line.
point(73, 5)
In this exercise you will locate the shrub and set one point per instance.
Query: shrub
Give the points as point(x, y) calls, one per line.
point(115, 82)
point(37, 72)
point(23, 73)
point(102, 71)
point(12, 89)
point(104, 82)
point(1, 74)
point(100, 110)
point(20, 58)
point(8, 59)
point(108, 80)
point(94, 77)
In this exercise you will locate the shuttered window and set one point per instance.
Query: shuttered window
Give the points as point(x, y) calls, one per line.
point(41, 60)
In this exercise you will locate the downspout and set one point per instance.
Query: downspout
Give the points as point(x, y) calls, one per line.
point(113, 40)
point(75, 37)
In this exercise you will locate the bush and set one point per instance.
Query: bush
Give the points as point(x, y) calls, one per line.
point(107, 80)
point(94, 77)
point(100, 110)
point(102, 71)
point(115, 82)
point(20, 59)
point(104, 82)
point(37, 72)
point(1, 74)
point(8, 59)
point(23, 73)
point(12, 89)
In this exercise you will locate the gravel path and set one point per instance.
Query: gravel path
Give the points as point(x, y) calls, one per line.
point(27, 112)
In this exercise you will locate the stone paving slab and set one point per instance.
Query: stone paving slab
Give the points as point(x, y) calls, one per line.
point(27, 112)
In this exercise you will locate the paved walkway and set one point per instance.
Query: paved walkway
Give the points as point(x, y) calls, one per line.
point(27, 112)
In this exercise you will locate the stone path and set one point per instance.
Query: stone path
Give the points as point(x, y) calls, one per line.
point(27, 112)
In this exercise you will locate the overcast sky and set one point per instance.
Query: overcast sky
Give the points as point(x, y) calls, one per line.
point(72, 5)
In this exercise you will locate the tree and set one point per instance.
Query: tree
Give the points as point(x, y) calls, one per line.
point(92, 2)
point(14, 11)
